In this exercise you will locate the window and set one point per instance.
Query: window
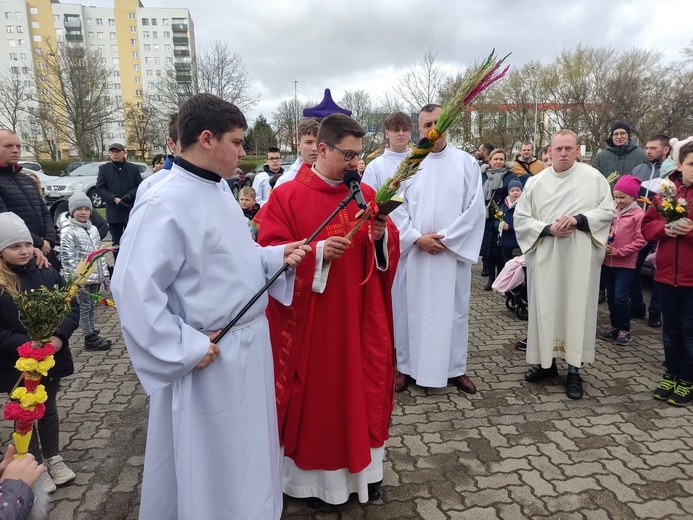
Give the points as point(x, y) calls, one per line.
point(114, 48)
point(112, 35)
point(18, 15)
point(150, 73)
point(145, 21)
point(155, 34)
point(167, 48)
point(13, 56)
point(157, 60)
point(156, 47)
point(145, 34)
point(158, 73)
point(147, 59)
point(115, 61)
point(116, 86)
point(9, 15)
point(10, 28)
point(138, 80)
point(102, 48)
point(26, 70)
point(56, 18)
point(136, 67)
point(135, 54)
point(166, 21)
point(34, 25)
point(58, 32)
point(20, 43)
point(15, 70)
point(111, 21)
point(133, 42)
point(90, 21)
point(153, 21)
point(131, 16)
point(133, 29)
point(99, 21)
point(22, 56)
point(169, 59)
point(13, 43)
point(167, 34)
point(116, 73)
point(99, 35)
point(92, 47)
point(138, 93)
point(119, 99)
point(147, 47)
point(39, 52)
point(41, 65)
point(37, 38)
point(33, 10)
point(90, 34)
point(20, 28)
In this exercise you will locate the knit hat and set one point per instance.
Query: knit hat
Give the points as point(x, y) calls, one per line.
point(78, 200)
point(13, 230)
point(515, 183)
point(619, 124)
point(629, 185)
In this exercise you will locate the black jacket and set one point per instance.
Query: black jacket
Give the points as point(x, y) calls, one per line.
point(20, 195)
point(118, 180)
point(13, 334)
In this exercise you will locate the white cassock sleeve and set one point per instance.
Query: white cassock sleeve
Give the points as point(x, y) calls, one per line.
point(464, 235)
point(528, 229)
point(408, 234)
point(162, 347)
point(272, 258)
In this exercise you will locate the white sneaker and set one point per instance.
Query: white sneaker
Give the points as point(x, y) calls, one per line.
point(59, 472)
point(46, 482)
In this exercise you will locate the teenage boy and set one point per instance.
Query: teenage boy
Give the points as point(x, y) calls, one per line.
point(398, 129)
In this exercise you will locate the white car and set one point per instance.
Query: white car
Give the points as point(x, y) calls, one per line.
point(83, 179)
point(35, 168)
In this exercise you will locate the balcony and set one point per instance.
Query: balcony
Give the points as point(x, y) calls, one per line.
point(182, 52)
point(182, 66)
point(73, 24)
point(73, 37)
point(182, 40)
point(179, 27)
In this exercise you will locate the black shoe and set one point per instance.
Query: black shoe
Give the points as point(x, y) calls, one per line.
point(682, 395)
point(638, 312)
point(666, 387)
point(489, 284)
point(521, 345)
point(536, 373)
point(94, 343)
point(374, 491)
point(574, 386)
point(484, 268)
point(602, 295)
point(655, 319)
point(314, 502)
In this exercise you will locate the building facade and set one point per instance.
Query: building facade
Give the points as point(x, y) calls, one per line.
point(140, 45)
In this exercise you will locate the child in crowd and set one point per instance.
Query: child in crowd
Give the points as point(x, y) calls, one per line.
point(17, 499)
point(674, 279)
point(623, 245)
point(246, 198)
point(507, 240)
point(18, 272)
point(78, 239)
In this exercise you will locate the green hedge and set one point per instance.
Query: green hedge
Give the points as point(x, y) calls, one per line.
point(54, 167)
point(248, 165)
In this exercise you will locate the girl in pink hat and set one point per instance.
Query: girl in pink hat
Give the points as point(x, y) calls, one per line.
point(622, 247)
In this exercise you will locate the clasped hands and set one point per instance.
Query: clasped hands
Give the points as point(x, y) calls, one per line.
point(563, 226)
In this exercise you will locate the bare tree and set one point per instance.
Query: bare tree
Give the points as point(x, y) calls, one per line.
point(215, 70)
point(16, 91)
point(145, 125)
point(74, 81)
point(288, 114)
point(421, 84)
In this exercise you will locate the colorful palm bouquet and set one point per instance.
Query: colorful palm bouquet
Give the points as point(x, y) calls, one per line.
point(474, 83)
point(41, 312)
point(668, 205)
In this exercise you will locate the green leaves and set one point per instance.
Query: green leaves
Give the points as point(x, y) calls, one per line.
point(41, 311)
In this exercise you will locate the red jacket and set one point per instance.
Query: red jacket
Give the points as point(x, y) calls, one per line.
point(674, 255)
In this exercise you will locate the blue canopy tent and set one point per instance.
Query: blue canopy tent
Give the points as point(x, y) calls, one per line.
point(326, 107)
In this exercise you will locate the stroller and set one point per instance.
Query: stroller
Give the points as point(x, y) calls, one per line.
point(511, 283)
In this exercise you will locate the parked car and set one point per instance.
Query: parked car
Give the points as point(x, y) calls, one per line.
point(286, 164)
point(83, 179)
point(36, 169)
point(72, 167)
point(236, 182)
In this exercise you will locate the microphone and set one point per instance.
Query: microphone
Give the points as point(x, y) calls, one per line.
point(353, 180)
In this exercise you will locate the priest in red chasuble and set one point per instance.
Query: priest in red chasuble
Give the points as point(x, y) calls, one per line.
point(333, 347)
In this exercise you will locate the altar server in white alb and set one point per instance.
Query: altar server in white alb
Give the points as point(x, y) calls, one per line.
point(441, 224)
point(398, 128)
point(562, 223)
point(187, 265)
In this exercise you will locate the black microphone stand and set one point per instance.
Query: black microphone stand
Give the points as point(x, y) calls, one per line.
point(284, 268)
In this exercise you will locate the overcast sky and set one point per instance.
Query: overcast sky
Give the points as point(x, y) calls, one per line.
point(368, 44)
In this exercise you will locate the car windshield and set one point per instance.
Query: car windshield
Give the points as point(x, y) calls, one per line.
point(86, 169)
point(31, 166)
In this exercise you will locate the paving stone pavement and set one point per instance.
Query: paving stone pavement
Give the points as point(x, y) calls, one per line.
point(512, 451)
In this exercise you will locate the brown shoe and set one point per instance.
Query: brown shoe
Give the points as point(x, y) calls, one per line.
point(465, 384)
point(401, 382)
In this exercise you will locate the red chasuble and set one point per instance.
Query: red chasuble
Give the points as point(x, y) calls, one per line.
point(333, 352)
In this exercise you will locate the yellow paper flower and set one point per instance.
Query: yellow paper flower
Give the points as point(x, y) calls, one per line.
point(666, 204)
point(27, 364)
point(28, 401)
point(18, 393)
point(680, 209)
point(45, 365)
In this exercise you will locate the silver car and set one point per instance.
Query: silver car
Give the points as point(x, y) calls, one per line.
point(83, 179)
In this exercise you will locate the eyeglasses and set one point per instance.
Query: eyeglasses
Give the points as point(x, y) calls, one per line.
point(348, 154)
point(274, 158)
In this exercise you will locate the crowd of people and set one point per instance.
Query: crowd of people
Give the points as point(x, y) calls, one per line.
point(301, 383)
